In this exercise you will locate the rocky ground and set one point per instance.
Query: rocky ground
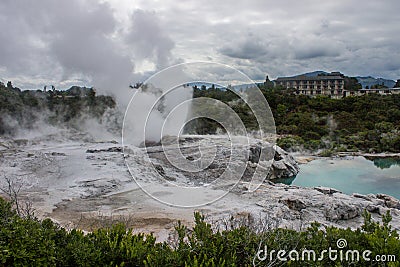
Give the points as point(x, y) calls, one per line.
point(80, 182)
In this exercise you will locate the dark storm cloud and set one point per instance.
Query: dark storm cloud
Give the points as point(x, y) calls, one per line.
point(314, 53)
point(77, 38)
point(20, 46)
point(39, 33)
point(84, 38)
point(291, 36)
point(247, 49)
point(82, 43)
point(315, 48)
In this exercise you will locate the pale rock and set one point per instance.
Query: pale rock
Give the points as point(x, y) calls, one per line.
point(326, 190)
point(390, 201)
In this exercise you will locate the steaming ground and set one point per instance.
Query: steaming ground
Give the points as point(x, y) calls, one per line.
point(82, 182)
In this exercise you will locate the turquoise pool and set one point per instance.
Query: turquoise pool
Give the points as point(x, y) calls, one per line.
point(351, 175)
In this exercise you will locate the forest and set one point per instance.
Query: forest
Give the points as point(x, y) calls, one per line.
point(26, 109)
point(368, 123)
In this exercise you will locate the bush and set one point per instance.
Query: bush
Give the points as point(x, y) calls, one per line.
point(30, 242)
point(311, 136)
point(326, 153)
point(290, 142)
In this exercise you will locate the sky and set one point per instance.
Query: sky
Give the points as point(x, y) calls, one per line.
point(113, 43)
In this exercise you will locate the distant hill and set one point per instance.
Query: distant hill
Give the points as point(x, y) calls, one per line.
point(370, 81)
point(314, 73)
point(310, 74)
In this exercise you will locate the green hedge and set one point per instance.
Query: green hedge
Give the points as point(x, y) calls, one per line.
point(30, 242)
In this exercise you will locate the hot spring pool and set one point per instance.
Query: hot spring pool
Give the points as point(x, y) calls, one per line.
point(351, 175)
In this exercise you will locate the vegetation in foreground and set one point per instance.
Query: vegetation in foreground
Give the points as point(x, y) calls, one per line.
point(27, 241)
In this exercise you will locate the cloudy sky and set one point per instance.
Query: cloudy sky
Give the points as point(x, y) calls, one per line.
point(109, 42)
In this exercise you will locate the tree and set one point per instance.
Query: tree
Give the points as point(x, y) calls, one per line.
point(379, 86)
point(351, 83)
point(268, 84)
point(91, 95)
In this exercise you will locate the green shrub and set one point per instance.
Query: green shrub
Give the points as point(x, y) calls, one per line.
point(289, 142)
point(30, 242)
point(326, 153)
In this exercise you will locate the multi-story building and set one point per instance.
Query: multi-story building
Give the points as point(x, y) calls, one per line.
point(381, 91)
point(331, 84)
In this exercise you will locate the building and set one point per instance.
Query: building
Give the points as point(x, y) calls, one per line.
point(331, 84)
point(381, 91)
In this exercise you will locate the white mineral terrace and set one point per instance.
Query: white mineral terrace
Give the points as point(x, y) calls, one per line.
point(86, 184)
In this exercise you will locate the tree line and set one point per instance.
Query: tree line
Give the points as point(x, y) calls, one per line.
point(369, 123)
point(23, 109)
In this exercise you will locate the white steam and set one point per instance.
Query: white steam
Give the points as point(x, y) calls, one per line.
point(149, 116)
point(65, 42)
